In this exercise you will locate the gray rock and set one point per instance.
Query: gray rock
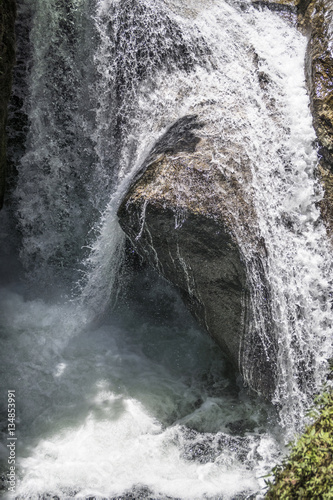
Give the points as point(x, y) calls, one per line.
point(182, 215)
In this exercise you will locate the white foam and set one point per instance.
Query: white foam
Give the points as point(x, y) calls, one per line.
point(104, 410)
point(99, 414)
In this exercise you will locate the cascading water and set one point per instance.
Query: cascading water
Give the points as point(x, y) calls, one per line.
point(298, 268)
point(141, 404)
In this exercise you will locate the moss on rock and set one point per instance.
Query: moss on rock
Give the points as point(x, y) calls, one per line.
point(308, 472)
point(326, 204)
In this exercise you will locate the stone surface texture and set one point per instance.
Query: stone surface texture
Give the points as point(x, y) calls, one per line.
point(316, 20)
point(185, 217)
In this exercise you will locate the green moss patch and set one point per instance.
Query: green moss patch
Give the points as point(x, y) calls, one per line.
point(308, 472)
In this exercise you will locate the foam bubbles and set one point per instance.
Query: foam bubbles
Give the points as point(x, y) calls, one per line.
point(139, 404)
point(129, 405)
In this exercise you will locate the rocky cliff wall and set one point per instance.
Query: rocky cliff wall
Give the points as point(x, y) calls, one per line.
point(7, 59)
point(315, 20)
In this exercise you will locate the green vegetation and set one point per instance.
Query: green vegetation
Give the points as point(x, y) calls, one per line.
point(308, 472)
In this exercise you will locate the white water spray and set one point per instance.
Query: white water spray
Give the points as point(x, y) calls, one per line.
point(143, 405)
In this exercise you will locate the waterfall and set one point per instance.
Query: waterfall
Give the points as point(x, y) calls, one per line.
point(287, 191)
point(130, 399)
point(299, 266)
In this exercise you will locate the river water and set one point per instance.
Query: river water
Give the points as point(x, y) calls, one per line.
point(119, 394)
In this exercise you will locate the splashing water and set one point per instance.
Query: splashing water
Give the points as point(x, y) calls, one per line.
point(143, 405)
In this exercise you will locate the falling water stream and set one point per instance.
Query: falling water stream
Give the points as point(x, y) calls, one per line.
point(119, 394)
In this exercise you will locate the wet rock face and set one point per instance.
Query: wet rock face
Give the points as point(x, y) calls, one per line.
point(316, 20)
point(181, 215)
point(201, 259)
point(7, 58)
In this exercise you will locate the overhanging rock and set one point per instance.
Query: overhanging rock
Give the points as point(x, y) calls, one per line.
point(186, 217)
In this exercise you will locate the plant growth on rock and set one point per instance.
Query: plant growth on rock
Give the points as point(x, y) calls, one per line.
point(308, 472)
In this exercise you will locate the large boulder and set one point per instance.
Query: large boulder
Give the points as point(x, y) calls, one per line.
point(7, 59)
point(185, 217)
